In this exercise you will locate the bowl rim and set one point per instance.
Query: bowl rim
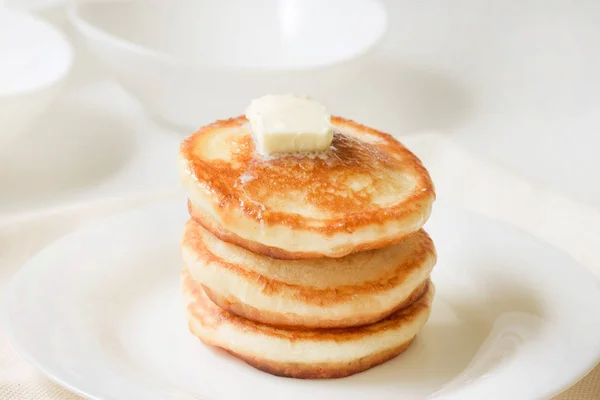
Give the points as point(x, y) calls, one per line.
point(60, 39)
point(73, 9)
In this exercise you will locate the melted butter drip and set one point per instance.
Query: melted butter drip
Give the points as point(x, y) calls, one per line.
point(344, 178)
point(240, 184)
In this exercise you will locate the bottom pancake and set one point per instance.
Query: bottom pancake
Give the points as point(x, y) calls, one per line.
point(304, 353)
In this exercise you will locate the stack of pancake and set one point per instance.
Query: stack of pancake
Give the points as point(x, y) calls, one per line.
point(306, 265)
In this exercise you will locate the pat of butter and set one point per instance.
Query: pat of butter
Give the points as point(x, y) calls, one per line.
point(288, 123)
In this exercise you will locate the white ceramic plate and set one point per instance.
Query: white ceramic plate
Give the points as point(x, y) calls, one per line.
point(99, 311)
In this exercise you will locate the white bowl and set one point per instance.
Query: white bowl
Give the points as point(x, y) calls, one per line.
point(192, 61)
point(35, 60)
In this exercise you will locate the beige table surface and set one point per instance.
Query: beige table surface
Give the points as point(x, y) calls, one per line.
point(461, 179)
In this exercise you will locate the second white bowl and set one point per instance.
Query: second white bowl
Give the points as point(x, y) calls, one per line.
point(192, 61)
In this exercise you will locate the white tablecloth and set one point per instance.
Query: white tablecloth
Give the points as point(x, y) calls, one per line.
point(461, 179)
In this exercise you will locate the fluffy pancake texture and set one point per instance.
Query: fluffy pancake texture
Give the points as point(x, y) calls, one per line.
point(358, 289)
point(304, 353)
point(366, 191)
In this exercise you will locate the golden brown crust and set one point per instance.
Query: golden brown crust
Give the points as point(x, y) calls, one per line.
point(204, 317)
point(227, 236)
point(322, 180)
point(317, 370)
point(237, 307)
point(212, 315)
point(422, 248)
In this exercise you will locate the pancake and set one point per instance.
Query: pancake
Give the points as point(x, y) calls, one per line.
point(367, 191)
point(358, 289)
point(301, 353)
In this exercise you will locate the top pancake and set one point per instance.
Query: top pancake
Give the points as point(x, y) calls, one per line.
point(366, 191)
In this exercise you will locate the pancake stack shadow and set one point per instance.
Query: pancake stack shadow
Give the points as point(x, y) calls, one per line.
point(306, 265)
